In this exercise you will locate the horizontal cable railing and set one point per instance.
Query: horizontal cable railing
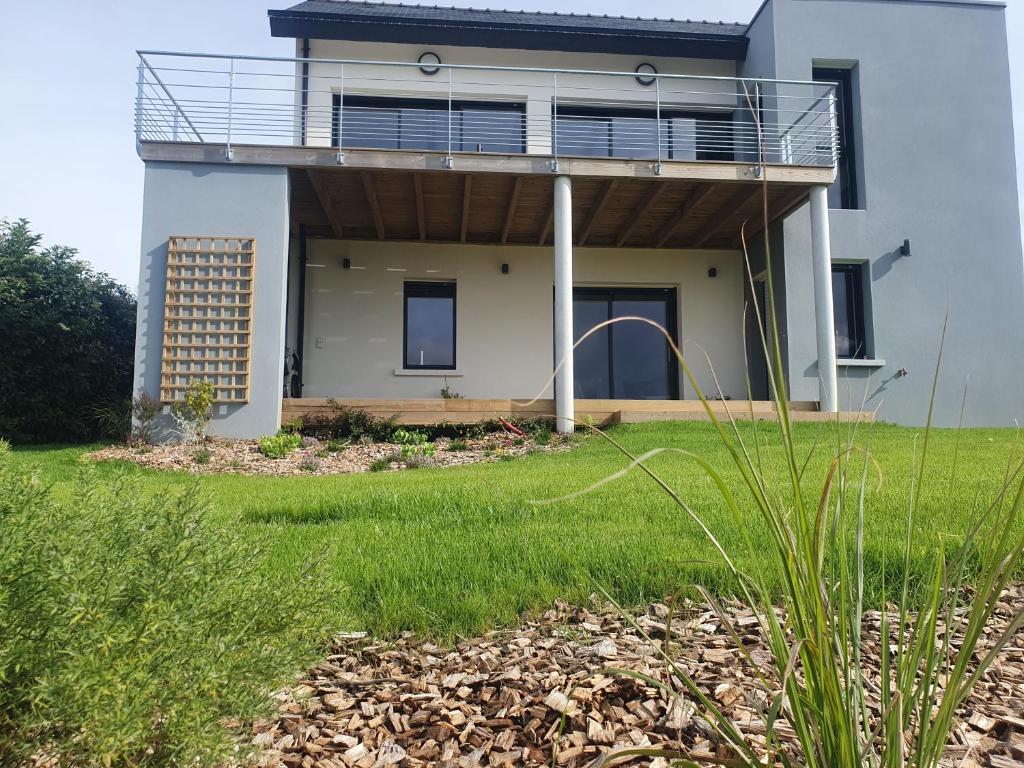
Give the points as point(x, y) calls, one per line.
point(346, 104)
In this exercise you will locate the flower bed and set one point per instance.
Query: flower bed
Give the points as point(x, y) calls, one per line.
point(316, 457)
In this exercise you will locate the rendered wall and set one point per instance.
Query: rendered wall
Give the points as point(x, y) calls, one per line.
point(932, 97)
point(247, 201)
point(504, 323)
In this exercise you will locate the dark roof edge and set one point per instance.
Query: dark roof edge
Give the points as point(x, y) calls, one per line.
point(543, 37)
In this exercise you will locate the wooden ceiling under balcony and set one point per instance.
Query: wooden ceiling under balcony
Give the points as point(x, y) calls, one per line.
point(512, 209)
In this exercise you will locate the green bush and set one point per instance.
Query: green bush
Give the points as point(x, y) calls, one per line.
point(132, 627)
point(350, 423)
point(69, 341)
point(280, 445)
point(192, 414)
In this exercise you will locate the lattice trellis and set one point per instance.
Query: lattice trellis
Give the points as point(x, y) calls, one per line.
point(208, 316)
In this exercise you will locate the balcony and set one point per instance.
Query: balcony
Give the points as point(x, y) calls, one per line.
point(456, 153)
point(231, 101)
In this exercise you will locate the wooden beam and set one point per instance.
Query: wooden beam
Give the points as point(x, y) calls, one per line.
point(726, 214)
point(371, 198)
point(323, 194)
point(782, 207)
point(547, 226)
point(656, 191)
point(421, 219)
point(467, 192)
point(670, 226)
point(510, 210)
point(595, 210)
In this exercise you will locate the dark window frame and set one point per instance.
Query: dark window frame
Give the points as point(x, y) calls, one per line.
point(849, 193)
point(853, 283)
point(613, 294)
point(439, 105)
point(439, 289)
point(721, 116)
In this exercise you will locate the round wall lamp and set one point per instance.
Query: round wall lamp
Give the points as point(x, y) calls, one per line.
point(645, 74)
point(429, 62)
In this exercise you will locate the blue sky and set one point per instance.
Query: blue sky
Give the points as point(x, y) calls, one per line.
point(68, 161)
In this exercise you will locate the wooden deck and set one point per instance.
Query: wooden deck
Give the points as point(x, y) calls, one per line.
point(602, 412)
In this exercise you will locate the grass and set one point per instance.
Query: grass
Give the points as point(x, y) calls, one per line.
point(455, 551)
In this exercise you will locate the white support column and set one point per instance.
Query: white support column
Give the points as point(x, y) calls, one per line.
point(564, 382)
point(824, 316)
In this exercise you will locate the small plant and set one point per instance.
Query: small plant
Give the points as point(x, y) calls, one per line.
point(295, 426)
point(408, 437)
point(337, 446)
point(414, 446)
point(310, 464)
point(448, 393)
point(145, 409)
point(192, 414)
point(458, 445)
point(202, 456)
point(280, 445)
point(113, 421)
point(415, 461)
point(380, 465)
point(323, 453)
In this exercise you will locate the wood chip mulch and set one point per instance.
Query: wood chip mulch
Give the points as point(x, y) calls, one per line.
point(244, 457)
point(533, 696)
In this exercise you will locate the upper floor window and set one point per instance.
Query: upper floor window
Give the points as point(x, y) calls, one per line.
point(843, 193)
point(423, 124)
point(634, 134)
point(848, 307)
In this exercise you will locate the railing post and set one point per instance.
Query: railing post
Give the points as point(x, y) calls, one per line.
point(554, 122)
point(341, 120)
point(758, 130)
point(449, 161)
point(231, 100)
point(138, 103)
point(657, 120)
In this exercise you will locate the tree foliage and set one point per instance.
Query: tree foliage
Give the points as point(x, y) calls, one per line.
point(68, 341)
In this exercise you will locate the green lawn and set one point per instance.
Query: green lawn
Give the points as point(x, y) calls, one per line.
point(454, 551)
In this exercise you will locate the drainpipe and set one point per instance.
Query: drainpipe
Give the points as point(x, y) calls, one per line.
point(301, 323)
point(824, 313)
point(305, 87)
point(565, 412)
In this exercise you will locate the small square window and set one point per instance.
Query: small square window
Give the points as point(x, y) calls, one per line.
point(430, 325)
point(848, 308)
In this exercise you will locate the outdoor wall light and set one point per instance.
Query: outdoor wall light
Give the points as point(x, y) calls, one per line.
point(504, 269)
point(346, 263)
point(645, 74)
point(429, 62)
point(713, 272)
point(905, 248)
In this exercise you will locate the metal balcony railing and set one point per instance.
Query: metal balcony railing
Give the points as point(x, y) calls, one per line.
point(447, 108)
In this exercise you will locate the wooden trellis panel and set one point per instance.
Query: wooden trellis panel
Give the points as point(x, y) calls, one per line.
point(208, 316)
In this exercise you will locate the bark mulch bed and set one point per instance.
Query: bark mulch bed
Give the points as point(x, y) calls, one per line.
point(533, 696)
point(313, 458)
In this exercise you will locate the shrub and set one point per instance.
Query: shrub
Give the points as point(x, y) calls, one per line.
point(350, 423)
point(132, 626)
point(202, 456)
point(293, 425)
point(68, 341)
point(458, 445)
point(113, 421)
point(280, 445)
point(192, 414)
point(310, 464)
point(380, 465)
point(145, 408)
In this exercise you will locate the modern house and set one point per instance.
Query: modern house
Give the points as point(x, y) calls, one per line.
point(427, 199)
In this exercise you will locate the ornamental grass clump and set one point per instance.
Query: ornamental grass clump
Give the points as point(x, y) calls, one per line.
point(936, 607)
point(133, 630)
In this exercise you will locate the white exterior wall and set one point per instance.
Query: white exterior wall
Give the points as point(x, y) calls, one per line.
point(535, 89)
point(504, 323)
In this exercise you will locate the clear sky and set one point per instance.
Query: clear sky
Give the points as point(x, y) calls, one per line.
point(67, 84)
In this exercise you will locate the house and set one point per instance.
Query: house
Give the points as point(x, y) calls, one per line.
point(427, 199)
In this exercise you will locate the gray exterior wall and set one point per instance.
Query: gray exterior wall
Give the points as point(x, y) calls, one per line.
point(936, 156)
point(222, 200)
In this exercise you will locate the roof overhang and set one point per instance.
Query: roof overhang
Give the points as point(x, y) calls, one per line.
point(540, 37)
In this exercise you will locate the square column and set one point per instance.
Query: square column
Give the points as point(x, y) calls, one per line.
point(565, 410)
point(824, 315)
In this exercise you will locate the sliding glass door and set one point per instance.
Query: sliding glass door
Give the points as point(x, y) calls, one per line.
point(629, 360)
